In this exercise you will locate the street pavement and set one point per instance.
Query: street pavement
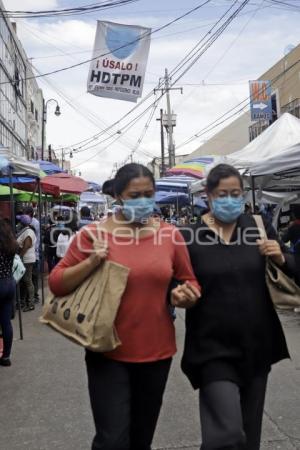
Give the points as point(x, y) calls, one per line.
point(44, 402)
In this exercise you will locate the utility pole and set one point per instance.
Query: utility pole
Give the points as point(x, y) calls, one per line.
point(49, 153)
point(169, 119)
point(62, 158)
point(162, 144)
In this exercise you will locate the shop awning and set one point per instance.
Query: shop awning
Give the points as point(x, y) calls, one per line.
point(63, 182)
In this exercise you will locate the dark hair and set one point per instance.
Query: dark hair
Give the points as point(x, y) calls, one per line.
point(29, 211)
point(220, 172)
point(128, 173)
point(85, 211)
point(108, 188)
point(295, 209)
point(8, 243)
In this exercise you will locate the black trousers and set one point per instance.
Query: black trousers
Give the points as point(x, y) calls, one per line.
point(231, 416)
point(126, 399)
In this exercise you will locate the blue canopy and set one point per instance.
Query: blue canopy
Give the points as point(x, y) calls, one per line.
point(15, 180)
point(171, 198)
point(48, 167)
point(94, 186)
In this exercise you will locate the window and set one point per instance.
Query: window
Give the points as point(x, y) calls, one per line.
point(293, 107)
point(32, 107)
point(274, 108)
point(36, 115)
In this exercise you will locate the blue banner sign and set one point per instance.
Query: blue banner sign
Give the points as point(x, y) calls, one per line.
point(260, 100)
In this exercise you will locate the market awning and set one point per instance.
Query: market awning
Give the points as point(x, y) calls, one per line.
point(196, 167)
point(171, 198)
point(19, 165)
point(63, 182)
point(48, 167)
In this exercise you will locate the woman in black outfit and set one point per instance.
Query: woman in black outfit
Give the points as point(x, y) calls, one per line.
point(233, 334)
point(8, 249)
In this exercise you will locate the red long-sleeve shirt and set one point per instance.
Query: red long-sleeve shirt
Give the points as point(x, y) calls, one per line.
point(143, 322)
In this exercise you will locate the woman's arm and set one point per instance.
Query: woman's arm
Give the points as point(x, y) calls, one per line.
point(187, 293)
point(27, 244)
point(278, 252)
point(82, 257)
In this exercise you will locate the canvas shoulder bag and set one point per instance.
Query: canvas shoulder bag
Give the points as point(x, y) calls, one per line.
point(283, 290)
point(19, 269)
point(87, 315)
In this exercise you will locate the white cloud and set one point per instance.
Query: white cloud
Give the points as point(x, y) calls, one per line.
point(259, 46)
point(26, 5)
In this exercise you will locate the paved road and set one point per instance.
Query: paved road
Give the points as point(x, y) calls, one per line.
point(44, 403)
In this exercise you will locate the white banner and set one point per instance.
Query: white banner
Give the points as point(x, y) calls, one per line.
point(120, 73)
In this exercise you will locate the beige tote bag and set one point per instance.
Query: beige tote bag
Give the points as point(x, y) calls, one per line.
point(283, 290)
point(87, 315)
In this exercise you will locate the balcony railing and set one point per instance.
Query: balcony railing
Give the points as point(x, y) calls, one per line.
point(257, 128)
point(292, 107)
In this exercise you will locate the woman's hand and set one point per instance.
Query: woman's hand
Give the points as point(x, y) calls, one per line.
point(185, 295)
point(272, 249)
point(98, 253)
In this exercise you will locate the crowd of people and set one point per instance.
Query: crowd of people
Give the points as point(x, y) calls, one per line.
point(206, 266)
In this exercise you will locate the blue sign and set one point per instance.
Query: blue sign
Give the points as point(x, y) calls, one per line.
point(260, 100)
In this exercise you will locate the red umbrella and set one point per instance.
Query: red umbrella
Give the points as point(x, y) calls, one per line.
point(65, 183)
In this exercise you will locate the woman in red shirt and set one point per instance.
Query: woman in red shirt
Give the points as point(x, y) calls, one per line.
point(126, 385)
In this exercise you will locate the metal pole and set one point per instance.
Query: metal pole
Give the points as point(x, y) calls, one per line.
point(170, 126)
point(13, 224)
point(162, 143)
point(62, 159)
point(253, 193)
point(41, 268)
point(43, 129)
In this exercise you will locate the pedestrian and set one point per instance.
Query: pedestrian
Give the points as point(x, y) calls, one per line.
point(27, 239)
point(8, 249)
point(85, 217)
point(126, 385)
point(292, 234)
point(233, 334)
point(36, 267)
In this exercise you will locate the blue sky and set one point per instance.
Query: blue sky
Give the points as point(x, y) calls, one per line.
point(252, 44)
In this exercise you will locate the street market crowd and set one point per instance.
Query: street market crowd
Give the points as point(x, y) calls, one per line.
point(229, 348)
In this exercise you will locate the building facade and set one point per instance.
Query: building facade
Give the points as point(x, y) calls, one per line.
point(20, 96)
point(156, 165)
point(285, 79)
point(34, 117)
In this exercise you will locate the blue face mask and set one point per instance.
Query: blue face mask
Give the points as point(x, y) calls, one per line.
point(138, 209)
point(227, 209)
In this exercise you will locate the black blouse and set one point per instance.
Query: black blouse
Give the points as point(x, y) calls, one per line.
point(233, 333)
point(6, 265)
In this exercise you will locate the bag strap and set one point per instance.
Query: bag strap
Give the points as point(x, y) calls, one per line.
point(260, 226)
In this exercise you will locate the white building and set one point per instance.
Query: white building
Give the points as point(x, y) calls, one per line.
point(34, 117)
point(20, 99)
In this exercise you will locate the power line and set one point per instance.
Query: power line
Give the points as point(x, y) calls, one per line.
point(67, 11)
point(210, 41)
point(87, 141)
point(214, 124)
point(143, 36)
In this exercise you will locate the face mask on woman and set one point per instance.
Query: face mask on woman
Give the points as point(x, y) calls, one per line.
point(138, 209)
point(227, 209)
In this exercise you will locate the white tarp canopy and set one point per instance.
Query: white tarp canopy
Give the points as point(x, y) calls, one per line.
point(93, 197)
point(21, 166)
point(288, 160)
point(275, 140)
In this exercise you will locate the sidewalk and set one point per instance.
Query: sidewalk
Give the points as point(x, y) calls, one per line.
point(45, 406)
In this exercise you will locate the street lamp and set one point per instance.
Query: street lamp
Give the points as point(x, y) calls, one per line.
point(57, 113)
